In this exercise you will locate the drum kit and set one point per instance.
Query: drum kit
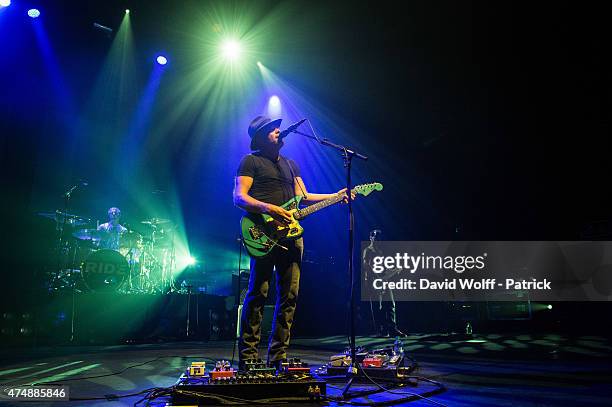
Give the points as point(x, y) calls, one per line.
point(143, 262)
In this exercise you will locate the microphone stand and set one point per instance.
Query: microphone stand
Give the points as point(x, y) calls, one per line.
point(67, 195)
point(238, 301)
point(347, 155)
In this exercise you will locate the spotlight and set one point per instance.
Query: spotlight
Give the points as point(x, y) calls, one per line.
point(34, 13)
point(549, 306)
point(5, 3)
point(231, 49)
point(127, 11)
point(259, 64)
point(162, 60)
point(191, 260)
point(274, 106)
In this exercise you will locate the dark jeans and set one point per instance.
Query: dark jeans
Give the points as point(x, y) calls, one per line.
point(287, 264)
point(384, 312)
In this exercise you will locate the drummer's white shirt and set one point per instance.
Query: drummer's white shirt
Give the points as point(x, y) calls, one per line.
point(111, 240)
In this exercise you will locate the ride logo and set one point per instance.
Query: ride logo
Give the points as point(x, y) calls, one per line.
point(105, 268)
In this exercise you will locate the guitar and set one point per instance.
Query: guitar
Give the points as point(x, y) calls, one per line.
point(261, 232)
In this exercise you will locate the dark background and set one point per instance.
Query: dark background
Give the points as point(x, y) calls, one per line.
point(485, 121)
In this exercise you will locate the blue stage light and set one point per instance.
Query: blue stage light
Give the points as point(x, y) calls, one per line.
point(34, 13)
point(5, 3)
point(162, 60)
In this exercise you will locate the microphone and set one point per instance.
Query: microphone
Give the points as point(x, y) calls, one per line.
point(75, 186)
point(290, 129)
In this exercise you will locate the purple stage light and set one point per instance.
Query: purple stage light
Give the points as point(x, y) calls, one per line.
point(162, 60)
point(34, 13)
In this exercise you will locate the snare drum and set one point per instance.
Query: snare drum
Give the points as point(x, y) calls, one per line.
point(104, 270)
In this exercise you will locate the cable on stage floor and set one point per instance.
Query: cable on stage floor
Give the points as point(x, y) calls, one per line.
point(405, 380)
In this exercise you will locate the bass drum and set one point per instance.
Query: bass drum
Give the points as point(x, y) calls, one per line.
point(104, 270)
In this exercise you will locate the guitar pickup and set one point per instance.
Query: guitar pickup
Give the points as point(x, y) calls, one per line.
point(255, 233)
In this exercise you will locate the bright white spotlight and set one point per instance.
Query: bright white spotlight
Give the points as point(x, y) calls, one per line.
point(274, 106)
point(162, 60)
point(191, 260)
point(34, 13)
point(127, 11)
point(231, 49)
point(549, 306)
point(5, 3)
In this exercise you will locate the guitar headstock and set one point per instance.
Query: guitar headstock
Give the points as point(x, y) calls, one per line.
point(366, 189)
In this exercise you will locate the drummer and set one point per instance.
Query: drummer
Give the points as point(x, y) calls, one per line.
point(111, 231)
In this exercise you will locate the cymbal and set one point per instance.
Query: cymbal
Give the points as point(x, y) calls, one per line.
point(88, 234)
point(156, 221)
point(70, 218)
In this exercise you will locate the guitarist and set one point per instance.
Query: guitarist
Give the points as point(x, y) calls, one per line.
point(265, 180)
point(382, 307)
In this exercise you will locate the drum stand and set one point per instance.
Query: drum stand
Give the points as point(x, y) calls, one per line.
point(168, 265)
point(188, 309)
point(62, 251)
point(131, 263)
point(171, 267)
point(147, 263)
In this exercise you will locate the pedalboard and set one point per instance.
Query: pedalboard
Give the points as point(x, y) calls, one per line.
point(256, 381)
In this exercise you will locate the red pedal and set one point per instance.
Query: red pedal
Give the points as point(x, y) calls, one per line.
point(222, 374)
point(298, 369)
point(372, 362)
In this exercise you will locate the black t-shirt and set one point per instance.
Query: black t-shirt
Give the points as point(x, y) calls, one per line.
point(272, 181)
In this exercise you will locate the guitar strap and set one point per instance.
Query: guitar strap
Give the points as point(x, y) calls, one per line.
point(293, 178)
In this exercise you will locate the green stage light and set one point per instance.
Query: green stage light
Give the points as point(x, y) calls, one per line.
point(231, 49)
point(541, 306)
point(184, 258)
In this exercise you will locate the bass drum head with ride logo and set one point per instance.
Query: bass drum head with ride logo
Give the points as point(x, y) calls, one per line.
point(104, 270)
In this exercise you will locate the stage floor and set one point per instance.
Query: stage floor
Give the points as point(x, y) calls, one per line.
point(482, 370)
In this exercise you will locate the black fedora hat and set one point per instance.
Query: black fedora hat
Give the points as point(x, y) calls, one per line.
point(261, 125)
